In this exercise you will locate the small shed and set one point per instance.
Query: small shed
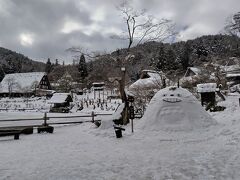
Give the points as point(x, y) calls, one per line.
point(192, 71)
point(190, 74)
point(233, 78)
point(61, 102)
point(98, 86)
point(207, 91)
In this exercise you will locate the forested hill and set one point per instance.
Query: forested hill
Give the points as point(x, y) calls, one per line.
point(13, 62)
point(170, 58)
point(173, 58)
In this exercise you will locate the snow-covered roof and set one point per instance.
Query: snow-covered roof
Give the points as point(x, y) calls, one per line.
point(175, 109)
point(233, 75)
point(150, 71)
point(231, 68)
point(21, 82)
point(195, 70)
point(154, 80)
point(98, 83)
point(207, 87)
point(187, 77)
point(59, 98)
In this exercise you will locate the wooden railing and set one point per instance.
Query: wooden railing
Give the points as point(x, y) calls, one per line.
point(45, 119)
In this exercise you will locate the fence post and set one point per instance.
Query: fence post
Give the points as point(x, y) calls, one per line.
point(92, 116)
point(45, 119)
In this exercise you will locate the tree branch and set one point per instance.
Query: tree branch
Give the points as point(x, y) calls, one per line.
point(142, 27)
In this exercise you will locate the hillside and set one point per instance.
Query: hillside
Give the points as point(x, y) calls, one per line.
point(170, 58)
point(13, 62)
point(173, 59)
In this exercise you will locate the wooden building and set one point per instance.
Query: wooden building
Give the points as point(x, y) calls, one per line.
point(25, 84)
point(208, 93)
point(192, 71)
point(98, 86)
point(61, 102)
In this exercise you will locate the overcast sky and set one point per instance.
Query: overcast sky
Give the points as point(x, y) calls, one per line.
point(46, 28)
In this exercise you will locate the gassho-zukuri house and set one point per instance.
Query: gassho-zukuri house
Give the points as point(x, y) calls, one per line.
point(150, 82)
point(25, 84)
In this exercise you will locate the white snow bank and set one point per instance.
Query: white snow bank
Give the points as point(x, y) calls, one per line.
point(175, 109)
point(107, 123)
point(78, 152)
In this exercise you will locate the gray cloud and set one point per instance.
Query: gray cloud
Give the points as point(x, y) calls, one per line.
point(42, 29)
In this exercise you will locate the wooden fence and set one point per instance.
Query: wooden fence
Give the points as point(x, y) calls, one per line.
point(45, 120)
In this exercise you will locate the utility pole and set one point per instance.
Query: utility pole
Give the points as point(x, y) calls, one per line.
point(123, 96)
point(122, 84)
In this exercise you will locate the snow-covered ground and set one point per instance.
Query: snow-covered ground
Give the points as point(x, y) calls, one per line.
point(85, 152)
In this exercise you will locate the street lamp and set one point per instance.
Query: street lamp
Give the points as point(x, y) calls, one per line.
point(123, 69)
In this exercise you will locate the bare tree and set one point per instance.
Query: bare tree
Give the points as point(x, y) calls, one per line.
point(34, 86)
point(143, 27)
point(11, 84)
point(78, 51)
point(65, 82)
point(233, 25)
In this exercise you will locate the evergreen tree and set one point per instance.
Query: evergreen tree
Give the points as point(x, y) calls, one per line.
point(171, 60)
point(19, 64)
point(56, 62)
point(161, 63)
point(48, 66)
point(90, 66)
point(65, 82)
point(82, 67)
point(184, 58)
point(2, 73)
point(233, 26)
point(201, 51)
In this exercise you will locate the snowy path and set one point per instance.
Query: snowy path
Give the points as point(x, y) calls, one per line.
point(83, 152)
point(78, 152)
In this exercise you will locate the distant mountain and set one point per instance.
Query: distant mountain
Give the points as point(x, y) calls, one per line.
point(13, 62)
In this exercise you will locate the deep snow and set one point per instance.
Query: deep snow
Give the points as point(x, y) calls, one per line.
point(84, 152)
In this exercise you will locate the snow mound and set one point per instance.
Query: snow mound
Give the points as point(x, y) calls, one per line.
point(175, 109)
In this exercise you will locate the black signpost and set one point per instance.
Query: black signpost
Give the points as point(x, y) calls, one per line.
point(131, 110)
point(130, 99)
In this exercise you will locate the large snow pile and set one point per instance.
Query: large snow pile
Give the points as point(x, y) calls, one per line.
point(108, 122)
point(175, 109)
